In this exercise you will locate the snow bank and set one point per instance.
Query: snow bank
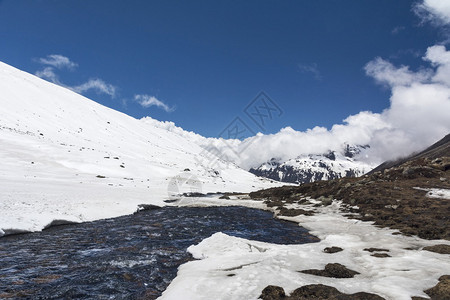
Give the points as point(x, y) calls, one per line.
point(65, 157)
point(236, 268)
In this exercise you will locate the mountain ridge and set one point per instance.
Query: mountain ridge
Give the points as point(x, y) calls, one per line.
point(438, 149)
point(413, 197)
point(315, 167)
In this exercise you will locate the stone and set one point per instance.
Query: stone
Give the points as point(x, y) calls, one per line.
point(441, 291)
point(376, 250)
point(272, 292)
point(332, 249)
point(442, 249)
point(380, 255)
point(332, 270)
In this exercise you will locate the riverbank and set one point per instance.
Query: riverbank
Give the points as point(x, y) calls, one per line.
point(375, 235)
point(365, 258)
point(32, 203)
point(389, 264)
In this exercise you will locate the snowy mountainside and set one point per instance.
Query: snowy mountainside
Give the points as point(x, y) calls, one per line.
point(315, 167)
point(66, 157)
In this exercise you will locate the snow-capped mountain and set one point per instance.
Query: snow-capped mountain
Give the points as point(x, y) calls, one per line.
point(315, 167)
point(66, 157)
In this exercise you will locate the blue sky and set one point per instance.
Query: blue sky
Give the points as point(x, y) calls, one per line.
point(206, 60)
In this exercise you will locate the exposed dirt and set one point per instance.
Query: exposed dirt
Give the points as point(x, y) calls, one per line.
point(314, 291)
point(442, 249)
point(442, 290)
point(394, 195)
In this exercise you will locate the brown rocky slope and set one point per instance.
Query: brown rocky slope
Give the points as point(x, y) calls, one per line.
point(395, 197)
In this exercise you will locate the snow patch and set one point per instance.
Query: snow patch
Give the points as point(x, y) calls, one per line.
point(439, 193)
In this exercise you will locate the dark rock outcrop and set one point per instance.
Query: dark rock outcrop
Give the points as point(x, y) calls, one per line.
point(394, 197)
point(314, 291)
point(332, 270)
point(442, 290)
point(442, 249)
point(332, 249)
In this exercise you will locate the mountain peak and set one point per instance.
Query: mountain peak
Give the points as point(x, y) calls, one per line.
point(314, 167)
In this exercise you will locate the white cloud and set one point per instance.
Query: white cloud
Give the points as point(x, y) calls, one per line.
point(418, 115)
point(147, 101)
point(312, 69)
point(49, 74)
point(439, 58)
point(434, 11)
point(97, 85)
point(58, 61)
point(386, 73)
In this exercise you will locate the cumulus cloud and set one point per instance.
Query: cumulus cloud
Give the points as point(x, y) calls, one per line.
point(148, 101)
point(434, 11)
point(440, 58)
point(58, 61)
point(311, 69)
point(418, 115)
point(386, 73)
point(97, 85)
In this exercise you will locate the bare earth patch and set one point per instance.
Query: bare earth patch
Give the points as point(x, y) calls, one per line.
point(314, 291)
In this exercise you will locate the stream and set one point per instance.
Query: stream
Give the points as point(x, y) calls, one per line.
point(132, 257)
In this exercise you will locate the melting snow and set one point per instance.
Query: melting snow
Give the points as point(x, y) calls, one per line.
point(234, 268)
point(439, 193)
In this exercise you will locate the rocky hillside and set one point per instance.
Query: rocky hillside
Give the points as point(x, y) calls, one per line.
point(438, 149)
point(315, 167)
point(412, 195)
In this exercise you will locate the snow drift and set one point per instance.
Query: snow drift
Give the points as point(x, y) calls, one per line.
point(65, 157)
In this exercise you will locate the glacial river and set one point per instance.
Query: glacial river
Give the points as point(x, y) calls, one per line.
point(132, 257)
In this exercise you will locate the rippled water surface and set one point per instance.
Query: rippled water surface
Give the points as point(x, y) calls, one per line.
point(132, 257)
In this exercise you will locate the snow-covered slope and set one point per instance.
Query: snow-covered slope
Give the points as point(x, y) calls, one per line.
point(315, 167)
point(65, 157)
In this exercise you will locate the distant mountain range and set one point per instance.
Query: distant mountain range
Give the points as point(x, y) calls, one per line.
point(316, 167)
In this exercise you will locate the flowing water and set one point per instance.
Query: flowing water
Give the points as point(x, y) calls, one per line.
point(130, 257)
